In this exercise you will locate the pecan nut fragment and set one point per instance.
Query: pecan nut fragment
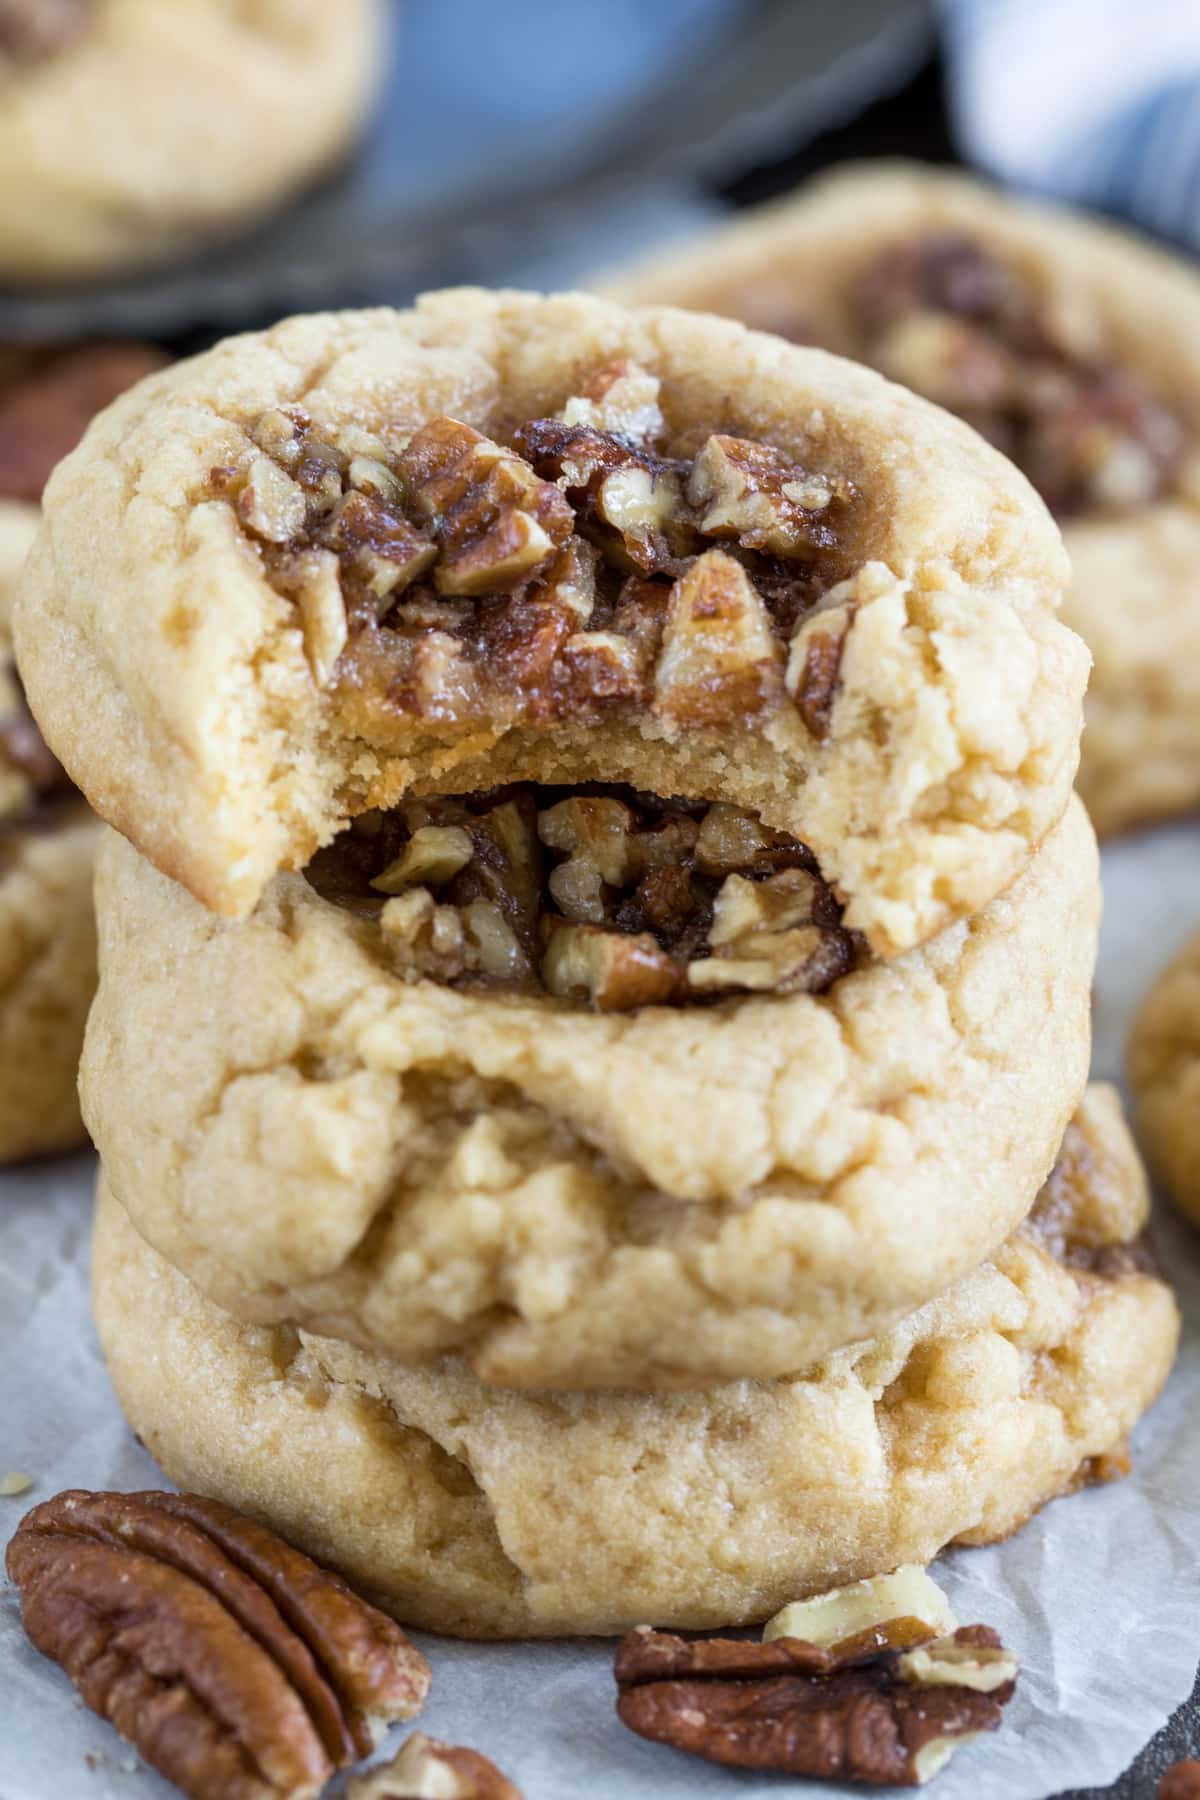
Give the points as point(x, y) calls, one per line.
point(426, 1769)
point(814, 669)
point(862, 1710)
point(495, 521)
point(720, 661)
point(239, 1668)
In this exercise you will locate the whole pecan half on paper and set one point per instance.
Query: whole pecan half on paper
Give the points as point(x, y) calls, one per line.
point(239, 1668)
point(885, 1707)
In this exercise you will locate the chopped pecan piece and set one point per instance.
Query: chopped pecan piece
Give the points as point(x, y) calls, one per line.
point(239, 1669)
point(433, 854)
point(621, 398)
point(733, 841)
point(426, 939)
point(842, 1613)
point(814, 668)
point(720, 661)
point(625, 495)
point(860, 1710)
point(428, 1770)
point(761, 497)
point(494, 520)
point(615, 970)
point(776, 935)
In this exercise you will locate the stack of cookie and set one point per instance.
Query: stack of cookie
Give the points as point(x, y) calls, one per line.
point(590, 1058)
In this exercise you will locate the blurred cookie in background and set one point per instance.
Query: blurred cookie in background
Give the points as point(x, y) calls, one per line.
point(1073, 347)
point(1164, 1072)
point(132, 132)
point(48, 836)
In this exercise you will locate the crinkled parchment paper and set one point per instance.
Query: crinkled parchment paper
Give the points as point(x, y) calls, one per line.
point(1100, 1594)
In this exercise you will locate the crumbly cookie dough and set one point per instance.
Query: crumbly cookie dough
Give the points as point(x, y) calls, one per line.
point(47, 933)
point(1164, 1071)
point(194, 667)
point(660, 1198)
point(1114, 302)
point(208, 112)
point(502, 1514)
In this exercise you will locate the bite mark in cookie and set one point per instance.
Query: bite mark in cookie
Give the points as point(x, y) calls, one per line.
point(587, 565)
point(596, 894)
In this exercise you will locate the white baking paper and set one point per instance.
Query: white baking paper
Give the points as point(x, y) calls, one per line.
point(1100, 1595)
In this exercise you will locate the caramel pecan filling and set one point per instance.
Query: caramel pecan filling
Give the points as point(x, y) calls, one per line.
point(586, 565)
point(947, 318)
point(31, 31)
point(599, 895)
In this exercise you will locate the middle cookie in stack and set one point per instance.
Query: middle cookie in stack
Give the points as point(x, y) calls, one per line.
point(687, 970)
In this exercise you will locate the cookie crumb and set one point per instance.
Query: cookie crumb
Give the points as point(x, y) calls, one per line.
point(14, 1482)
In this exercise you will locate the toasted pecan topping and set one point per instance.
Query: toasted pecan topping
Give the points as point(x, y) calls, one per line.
point(239, 1669)
point(597, 894)
point(579, 568)
point(954, 320)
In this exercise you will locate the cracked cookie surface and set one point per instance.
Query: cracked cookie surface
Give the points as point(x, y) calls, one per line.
point(1069, 343)
point(355, 558)
point(503, 1514)
point(290, 80)
point(1164, 1072)
point(570, 1197)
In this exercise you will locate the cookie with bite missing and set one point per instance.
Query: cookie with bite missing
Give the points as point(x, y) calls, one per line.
point(488, 1514)
point(1070, 344)
point(372, 556)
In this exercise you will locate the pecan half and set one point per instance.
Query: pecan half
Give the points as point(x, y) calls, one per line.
point(883, 1707)
point(239, 1668)
point(426, 1769)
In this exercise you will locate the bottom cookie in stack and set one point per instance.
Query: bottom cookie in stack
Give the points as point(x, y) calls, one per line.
point(489, 1512)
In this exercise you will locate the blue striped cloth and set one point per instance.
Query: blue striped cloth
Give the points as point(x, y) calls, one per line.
point(1093, 101)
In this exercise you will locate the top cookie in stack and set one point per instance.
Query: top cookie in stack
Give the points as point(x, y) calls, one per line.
point(500, 538)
